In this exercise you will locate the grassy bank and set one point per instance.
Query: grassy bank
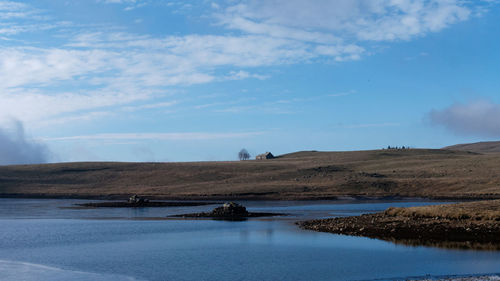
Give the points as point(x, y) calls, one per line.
point(464, 225)
point(479, 212)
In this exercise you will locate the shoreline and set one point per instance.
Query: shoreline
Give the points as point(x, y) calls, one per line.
point(471, 225)
point(202, 198)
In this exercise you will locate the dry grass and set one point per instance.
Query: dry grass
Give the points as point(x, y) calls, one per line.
point(301, 175)
point(475, 211)
point(480, 147)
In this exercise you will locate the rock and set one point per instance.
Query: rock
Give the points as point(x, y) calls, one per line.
point(230, 209)
point(135, 199)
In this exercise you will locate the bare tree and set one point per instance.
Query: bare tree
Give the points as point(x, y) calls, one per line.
point(243, 154)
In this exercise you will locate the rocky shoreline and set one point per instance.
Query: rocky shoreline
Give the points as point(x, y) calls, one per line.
point(474, 225)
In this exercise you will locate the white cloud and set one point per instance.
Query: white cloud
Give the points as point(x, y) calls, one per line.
point(25, 66)
point(117, 69)
point(149, 106)
point(119, 1)
point(255, 109)
point(475, 118)
point(74, 118)
point(14, 10)
point(239, 75)
point(342, 94)
point(278, 31)
point(341, 29)
point(157, 136)
point(131, 4)
point(370, 125)
point(41, 109)
point(333, 21)
point(17, 18)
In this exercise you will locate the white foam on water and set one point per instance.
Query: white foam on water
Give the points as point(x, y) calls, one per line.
point(24, 271)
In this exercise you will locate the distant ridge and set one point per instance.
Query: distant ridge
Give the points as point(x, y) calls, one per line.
point(479, 147)
point(303, 175)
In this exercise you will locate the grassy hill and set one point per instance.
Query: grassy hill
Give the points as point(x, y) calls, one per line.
point(300, 175)
point(479, 147)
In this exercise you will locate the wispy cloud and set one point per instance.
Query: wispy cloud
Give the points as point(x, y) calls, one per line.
point(342, 94)
point(100, 64)
point(255, 109)
point(158, 136)
point(313, 98)
point(15, 10)
point(119, 1)
point(336, 21)
point(240, 101)
point(239, 75)
point(150, 106)
point(369, 125)
point(40, 108)
point(119, 69)
point(75, 118)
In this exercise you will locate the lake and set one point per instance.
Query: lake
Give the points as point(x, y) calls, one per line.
point(39, 240)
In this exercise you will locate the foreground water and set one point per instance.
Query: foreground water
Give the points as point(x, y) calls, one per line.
point(41, 241)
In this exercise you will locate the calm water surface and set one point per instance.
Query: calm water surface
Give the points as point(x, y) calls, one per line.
point(41, 241)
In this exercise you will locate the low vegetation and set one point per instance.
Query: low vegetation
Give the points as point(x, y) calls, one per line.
point(479, 147)
point(478, 211)
point(302, 175)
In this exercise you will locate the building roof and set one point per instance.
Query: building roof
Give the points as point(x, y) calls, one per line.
point(265, 155)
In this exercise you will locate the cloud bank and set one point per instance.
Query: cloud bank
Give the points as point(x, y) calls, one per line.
point(16, 148)
point(475, 118)
point(111, 67)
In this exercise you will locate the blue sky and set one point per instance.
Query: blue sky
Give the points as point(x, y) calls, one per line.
point(139, 80)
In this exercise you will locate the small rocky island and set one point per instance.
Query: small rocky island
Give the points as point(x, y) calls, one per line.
point(136, 201)
point(228, 211)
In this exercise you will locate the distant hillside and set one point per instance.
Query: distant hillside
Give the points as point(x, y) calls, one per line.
point(300, 175)
point(478, 147)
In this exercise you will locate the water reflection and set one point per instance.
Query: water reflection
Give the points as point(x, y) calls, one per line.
point(466, 245)
point(136, 246)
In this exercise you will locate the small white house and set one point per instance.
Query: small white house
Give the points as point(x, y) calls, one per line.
point(264, 156)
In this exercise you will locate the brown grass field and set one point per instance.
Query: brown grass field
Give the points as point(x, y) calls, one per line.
point(432, 173)
point(479, 147)
point(478, 211)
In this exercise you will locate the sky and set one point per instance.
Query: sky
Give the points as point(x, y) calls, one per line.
point(144, 80)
